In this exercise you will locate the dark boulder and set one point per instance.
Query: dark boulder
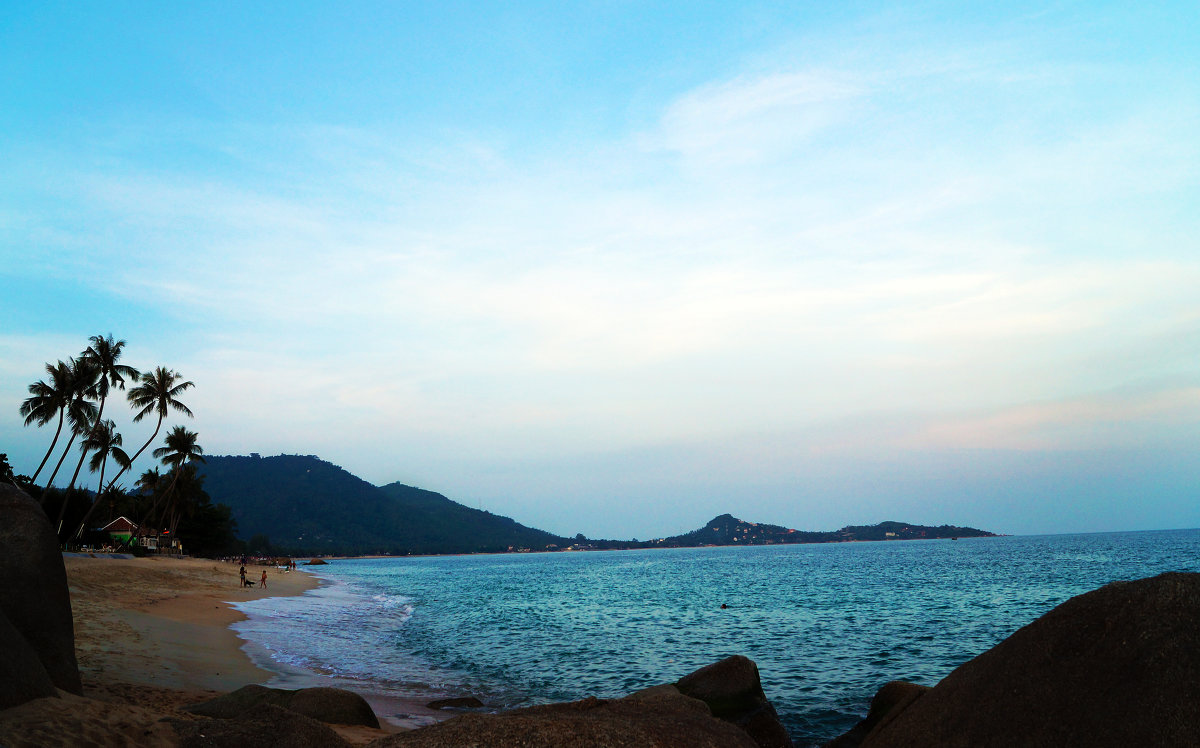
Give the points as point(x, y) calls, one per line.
point(331, 705)
point(732, 690)
point(334, 705)
point(267, 724)
point(22, 676)
point(887, 703)
point(1119, 666)
point(661, 720)
point(33, 587)
point(461, 702)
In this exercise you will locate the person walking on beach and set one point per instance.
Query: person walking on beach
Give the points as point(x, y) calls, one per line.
point(242, 574)
point(263, 581)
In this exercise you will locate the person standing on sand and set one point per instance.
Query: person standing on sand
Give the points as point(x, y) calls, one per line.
point(242, 574)
point(263, 582)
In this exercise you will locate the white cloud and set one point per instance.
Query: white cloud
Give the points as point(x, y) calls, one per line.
point(750, 118)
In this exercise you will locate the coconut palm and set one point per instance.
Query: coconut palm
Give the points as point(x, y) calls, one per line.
point(157, 393)
point(104, 441)
point(102, 354)
point(80, 412)
point(180, 448)
point(150, 480)
point(47, 399)
point(188, 490)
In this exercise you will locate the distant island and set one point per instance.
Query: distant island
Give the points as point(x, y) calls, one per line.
point(302, 505)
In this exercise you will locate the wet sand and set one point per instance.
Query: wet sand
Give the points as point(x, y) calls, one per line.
point(152, 635)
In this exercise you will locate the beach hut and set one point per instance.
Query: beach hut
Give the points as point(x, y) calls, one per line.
point(120, 529)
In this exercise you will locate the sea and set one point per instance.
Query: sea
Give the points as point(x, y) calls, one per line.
point(827, 624)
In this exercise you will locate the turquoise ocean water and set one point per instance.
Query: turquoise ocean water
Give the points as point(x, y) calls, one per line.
point(827, 624)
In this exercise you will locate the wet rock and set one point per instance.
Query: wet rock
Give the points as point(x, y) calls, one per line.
point(461, 702)
point(1119, 666)
point(733, 691)
point(331, 705)
point(33, 587)
point(661, 720)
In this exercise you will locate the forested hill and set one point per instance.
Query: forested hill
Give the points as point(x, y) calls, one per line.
point(729, 530)
point(306, 505)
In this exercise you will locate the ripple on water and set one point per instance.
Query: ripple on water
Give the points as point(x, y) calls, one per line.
point(827, 624)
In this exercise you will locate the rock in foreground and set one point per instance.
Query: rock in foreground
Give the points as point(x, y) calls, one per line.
point(34, 598)
point(330, 705)
point(734, 693)
point(1119, 666)
point(663, 720)
point(266, 725)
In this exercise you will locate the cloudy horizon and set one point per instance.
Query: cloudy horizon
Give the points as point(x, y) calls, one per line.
point(617, 270)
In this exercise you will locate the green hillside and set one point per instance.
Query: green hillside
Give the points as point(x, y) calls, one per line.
point(306, 505)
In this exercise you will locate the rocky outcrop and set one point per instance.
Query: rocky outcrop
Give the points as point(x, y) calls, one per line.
point(719, 705)
point(22, 676)
point(1118, 666)
point(665, 719)
point(887, 704)
point(331, 705)
point(33, 589)
point(732, 690)
point(267, 724)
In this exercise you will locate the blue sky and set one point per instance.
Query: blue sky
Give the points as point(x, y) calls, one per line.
point(616, 268)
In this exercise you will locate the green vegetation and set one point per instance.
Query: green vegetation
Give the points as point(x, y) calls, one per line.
point(303, 505)
point(75, 393)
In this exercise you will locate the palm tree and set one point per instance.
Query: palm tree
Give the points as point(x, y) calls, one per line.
point(103, 441)
point(186, 496)
point(181, 448)
point(157, 393)
point(81, 413)
point(102, 354)
point(45, 400)
point(150, 480)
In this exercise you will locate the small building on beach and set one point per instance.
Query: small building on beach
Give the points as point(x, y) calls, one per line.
point(120, 529)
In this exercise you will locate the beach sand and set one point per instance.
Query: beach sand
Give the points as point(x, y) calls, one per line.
point(152, 635)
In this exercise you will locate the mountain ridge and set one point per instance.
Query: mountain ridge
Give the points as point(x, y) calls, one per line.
point(308, 506)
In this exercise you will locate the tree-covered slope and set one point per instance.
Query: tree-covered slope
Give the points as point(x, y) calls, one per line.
point(445, 524)
point(306, 505)
point(729, 530)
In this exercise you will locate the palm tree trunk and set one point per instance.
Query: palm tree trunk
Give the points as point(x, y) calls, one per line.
point(136, 454)
point(46, 492)
point(84, 453)
point(61, 413)
point(95, 502)
point(150, 514)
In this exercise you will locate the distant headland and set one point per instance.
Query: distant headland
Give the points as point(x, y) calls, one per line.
point(303, 505)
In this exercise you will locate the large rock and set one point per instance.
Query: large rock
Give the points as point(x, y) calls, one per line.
point(734, 693)
point(267, 724)
point(332, 705)
point(33, 587)
point(1119, 666)
point(22, 676)
point(887, 704)
point(665, 719)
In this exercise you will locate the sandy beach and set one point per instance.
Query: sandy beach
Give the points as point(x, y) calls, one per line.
point(152, 635)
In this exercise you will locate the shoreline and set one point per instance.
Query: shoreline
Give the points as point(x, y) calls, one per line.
point(162, 621)
point(156, 634)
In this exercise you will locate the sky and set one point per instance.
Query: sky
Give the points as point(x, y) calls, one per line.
point(616, 268)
